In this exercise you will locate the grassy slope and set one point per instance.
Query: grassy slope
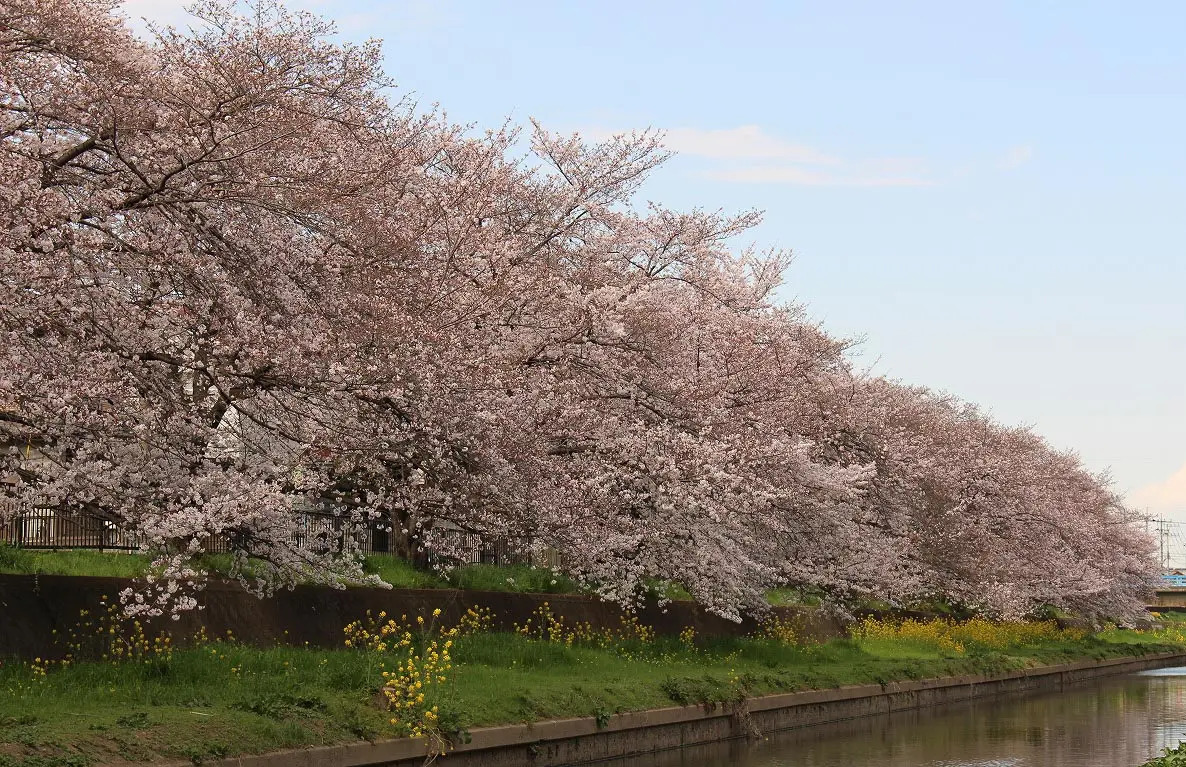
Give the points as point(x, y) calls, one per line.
point(227, 699)
point(398, 572)
point(393, 570)
point(80, 562)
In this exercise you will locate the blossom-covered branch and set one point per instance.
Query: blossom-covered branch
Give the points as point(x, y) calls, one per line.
point(238, 280)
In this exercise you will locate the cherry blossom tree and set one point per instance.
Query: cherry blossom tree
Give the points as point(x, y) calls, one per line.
point(239, 280)
point(988, 516)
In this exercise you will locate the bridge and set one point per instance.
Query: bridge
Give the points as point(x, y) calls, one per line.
point(1171, 553)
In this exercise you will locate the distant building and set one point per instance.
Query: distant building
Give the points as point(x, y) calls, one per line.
point(1174, 579)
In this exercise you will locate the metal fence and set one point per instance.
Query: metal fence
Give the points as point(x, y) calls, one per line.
point(42, 528)
point(46, 529)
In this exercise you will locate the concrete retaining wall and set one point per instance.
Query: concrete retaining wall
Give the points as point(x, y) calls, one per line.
point(577, 741)
point(1169, 597)
point(32, 607)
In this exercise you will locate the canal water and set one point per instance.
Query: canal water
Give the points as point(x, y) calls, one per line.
point(1116, 722)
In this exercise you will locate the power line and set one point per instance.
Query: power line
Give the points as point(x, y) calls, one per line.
point(1171, 542)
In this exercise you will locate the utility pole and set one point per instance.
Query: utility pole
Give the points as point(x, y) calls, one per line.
point(1162, 528)
point(1163, 543)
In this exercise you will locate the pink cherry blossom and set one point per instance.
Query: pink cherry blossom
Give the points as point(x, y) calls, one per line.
point(239, 279)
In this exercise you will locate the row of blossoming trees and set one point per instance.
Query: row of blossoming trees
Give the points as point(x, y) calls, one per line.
point(235, 276)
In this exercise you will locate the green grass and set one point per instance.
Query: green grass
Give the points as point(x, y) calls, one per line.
point(398, 572)
point(1172, 616)
point(71, 562)
point(394, 570)
point(225, 699)
point(191, 707)
point(793, 596)
point(511, 578)
point(401, 575)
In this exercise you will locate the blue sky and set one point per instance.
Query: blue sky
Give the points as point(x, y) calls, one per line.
point(993, 198)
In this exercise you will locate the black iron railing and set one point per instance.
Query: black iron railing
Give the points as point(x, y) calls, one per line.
point(43, 528)
point(38, 528)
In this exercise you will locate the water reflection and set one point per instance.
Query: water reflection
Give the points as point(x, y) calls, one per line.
point(1115, 723)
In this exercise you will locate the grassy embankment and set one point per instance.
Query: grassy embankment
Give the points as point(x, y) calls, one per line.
point(148, 700)
point(398, 572)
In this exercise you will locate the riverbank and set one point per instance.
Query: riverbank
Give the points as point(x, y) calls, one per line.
point(719, 735)
point(148, 700)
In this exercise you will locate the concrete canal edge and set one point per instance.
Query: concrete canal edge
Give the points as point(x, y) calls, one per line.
point(559, 742)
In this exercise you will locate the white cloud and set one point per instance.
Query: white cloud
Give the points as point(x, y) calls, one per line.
point(1016, 156)
point(748, 154)
point(1165, 496)
point(790, 174)
point(744, 142)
